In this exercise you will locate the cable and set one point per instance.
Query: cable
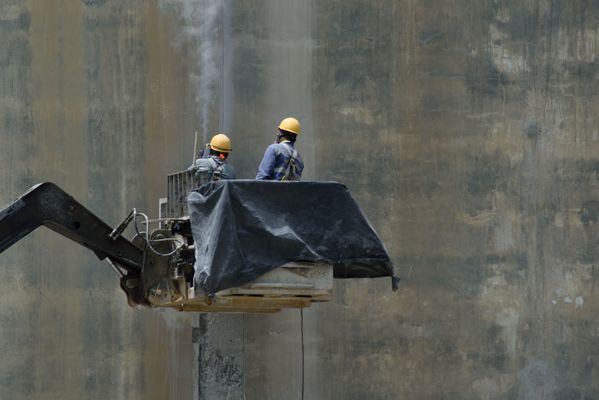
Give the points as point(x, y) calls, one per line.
point(303, 350)
point(153, 221)
point(222, 68)
point(173, 239)
point(147, 235)
point(243, 350)
point(116, 269)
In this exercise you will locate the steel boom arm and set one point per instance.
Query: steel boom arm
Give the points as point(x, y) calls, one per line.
point(46, 204)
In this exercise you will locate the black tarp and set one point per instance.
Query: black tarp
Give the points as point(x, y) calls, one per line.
point(245, 228)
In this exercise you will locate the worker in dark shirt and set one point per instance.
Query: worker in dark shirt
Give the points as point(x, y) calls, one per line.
point(281, 161)
point(213, 166)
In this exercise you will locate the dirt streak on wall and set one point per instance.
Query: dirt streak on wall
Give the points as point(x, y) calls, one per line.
point(76, 108)
point(465, 129)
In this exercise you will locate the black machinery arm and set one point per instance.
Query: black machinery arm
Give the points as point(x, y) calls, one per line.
point(47, 204)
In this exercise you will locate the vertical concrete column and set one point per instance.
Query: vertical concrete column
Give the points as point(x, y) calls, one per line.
point(221, 363)
point(16, 120)
point(287, 51)
point(278, 43)
point(195, 35)
point(220, 337)
point(73, 110)
point(17, 316)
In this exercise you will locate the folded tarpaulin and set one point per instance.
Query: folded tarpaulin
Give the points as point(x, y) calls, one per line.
point(245, 228)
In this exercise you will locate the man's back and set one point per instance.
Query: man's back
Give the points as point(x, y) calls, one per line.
point(211, 169)
point(281, 162)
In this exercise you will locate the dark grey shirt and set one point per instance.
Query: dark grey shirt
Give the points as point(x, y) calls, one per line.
point(209, 169)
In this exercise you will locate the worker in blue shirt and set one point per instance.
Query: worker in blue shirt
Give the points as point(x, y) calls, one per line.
point(281, 161)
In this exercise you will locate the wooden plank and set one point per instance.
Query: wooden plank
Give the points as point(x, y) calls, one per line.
point(274, 285)
point(278, 292)
point(263, 302)
point(292, 285)
point(214, 308)
point(242, 304)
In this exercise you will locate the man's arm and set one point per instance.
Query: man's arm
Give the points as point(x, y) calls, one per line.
point(299, 165)
point(267, 165)
point(193, 166)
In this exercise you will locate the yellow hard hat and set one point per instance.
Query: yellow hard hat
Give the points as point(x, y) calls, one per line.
point(290, 124)
point(220, 143)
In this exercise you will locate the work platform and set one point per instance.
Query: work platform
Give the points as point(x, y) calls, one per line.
point(293, 285)
point(242, 245)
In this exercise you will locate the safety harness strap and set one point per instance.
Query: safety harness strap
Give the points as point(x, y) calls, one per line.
point(289, 169)
point(217, 172)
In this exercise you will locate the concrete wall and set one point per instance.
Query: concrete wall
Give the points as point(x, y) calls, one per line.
point(91, 97)
point(465, 129)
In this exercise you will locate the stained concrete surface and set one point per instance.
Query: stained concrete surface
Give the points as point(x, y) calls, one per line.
point(77, 108)
point(466, 130)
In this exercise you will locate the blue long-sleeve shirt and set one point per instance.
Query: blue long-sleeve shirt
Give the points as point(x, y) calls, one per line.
point(275, 162)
